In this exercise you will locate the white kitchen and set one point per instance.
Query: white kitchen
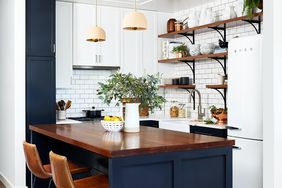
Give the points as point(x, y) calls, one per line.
point(126, 88)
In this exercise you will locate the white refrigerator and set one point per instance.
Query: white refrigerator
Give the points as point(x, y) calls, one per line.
point(245, 110)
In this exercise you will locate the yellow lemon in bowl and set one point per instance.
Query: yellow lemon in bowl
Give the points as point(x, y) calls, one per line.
point(107, 118)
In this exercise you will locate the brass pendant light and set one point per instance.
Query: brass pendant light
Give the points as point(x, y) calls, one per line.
point(96, 34)
point(135, 20)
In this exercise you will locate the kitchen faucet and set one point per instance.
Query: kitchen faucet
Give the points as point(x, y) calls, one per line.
point(200, 113)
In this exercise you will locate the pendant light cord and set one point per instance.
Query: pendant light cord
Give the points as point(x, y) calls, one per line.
point(135, 6)
point(96, 13)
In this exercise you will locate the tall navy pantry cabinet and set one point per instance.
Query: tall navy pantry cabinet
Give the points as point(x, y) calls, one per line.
point(40, 70)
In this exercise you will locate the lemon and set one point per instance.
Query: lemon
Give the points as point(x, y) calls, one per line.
point(107, 118)
point(116, 119)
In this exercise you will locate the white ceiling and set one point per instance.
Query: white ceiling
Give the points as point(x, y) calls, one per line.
point(156, 5)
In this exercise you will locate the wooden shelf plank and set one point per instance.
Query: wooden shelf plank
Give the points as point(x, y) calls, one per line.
point(191, 58)
point(178, 86)
point(205, 28)
point(225, 86)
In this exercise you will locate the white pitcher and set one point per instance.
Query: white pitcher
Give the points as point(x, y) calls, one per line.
point(132, 123)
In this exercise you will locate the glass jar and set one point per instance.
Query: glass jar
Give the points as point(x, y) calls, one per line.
point(178, 26)
point(174, 110)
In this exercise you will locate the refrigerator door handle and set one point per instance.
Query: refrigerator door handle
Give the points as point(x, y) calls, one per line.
point(236, 148)
point(233, 128)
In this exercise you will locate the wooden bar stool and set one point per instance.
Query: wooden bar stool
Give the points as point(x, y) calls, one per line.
point(63, 179)
point(41, 171)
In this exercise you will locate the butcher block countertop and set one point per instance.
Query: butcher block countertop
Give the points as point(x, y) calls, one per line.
point(149, 140)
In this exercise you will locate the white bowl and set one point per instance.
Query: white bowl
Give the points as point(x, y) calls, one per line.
point(208, 48)
point(194, 50)
point(112, 126)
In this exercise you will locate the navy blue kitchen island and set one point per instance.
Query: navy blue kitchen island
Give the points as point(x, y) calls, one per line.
point(153, 158)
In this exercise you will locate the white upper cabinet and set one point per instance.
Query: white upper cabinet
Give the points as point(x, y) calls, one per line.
point(63, 44)
point(105, 54)
point(139, 48)
point(131, 49)
point(84, 52)
point(110, 49)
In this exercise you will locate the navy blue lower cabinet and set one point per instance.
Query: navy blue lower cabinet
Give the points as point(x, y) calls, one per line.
point(209, 168)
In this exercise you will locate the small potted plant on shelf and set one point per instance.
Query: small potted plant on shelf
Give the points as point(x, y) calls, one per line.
point(180, 51)
point(251, 5)
point(220, 114)
point(126, 88)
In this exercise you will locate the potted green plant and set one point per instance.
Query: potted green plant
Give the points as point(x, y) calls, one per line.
point(251, 5)
point(126, 88)
point(180, 51)
point(148, 94)
point(220, 114)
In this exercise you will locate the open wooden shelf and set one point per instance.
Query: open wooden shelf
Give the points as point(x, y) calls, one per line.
point(205, 28)
point(192, 58)
point(178, 86)
point(225, 86)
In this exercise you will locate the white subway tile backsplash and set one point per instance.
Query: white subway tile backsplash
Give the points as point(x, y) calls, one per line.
point(83, 93)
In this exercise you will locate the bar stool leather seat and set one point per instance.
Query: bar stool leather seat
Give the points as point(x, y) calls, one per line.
point(63, 179)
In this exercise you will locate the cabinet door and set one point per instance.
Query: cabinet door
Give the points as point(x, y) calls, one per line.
point(84, 52)
point(40, 24)
point(131, 50)
point(181, 126)
point(110, 49)
point(63, 44)
point(149, 44)
point(247, 163)
point(40, 90)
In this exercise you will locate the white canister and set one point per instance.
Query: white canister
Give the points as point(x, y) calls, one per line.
point(61, 115)
point(132, 123)
point(220, 79)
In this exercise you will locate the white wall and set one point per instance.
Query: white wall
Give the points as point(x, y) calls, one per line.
point(272, 94)
point(12, 95)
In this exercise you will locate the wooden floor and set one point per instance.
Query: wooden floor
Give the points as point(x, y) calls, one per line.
point(1, 185)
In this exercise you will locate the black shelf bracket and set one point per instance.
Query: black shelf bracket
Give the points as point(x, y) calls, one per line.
point(221, 31)
point(192, 67)
point(189, 36)
point(253, 22)
point(222, 64)
point(223, 95)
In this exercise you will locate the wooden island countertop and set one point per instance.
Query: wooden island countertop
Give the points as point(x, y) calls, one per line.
point(149, 140)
